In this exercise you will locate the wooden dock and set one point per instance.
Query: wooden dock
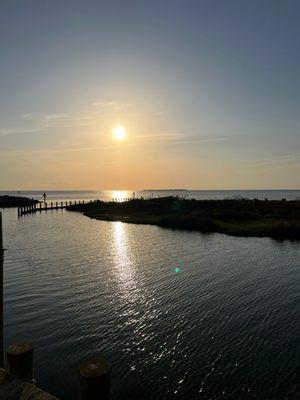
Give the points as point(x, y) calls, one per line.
point(12, 388)
point(39, 207)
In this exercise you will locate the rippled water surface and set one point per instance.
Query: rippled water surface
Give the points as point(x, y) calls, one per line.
point(226, 326)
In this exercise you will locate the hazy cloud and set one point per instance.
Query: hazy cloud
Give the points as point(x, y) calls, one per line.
point(112, 104)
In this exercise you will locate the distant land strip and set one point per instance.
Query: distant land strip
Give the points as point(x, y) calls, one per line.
point(278, 219)
point(15, 201)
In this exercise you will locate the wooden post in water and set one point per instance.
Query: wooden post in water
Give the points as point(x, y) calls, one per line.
point(40, 206)
point(56, 204)
point(61, 204)
point(51, 204)
point(1, 296)
point(94, 379)
point(19, 358)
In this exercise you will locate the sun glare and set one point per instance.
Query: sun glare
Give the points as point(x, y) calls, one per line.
point(119, 133)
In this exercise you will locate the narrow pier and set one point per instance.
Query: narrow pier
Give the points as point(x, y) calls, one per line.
point(39, 207)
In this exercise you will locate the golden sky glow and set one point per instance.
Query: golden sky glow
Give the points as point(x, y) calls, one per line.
point(79, 148)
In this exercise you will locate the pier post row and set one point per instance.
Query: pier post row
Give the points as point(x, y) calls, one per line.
point(33, 208)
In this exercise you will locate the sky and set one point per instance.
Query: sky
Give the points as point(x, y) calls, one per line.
point(208, 92)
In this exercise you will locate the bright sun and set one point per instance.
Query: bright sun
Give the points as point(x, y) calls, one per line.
point(119, 133)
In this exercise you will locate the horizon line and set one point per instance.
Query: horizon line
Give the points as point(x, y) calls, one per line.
point(147, 190)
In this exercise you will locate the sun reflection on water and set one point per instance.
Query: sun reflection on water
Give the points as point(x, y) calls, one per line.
point(124, 261)
point(121, 195)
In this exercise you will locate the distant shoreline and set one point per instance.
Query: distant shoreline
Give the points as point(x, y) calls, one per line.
point(278, 219)
point(15, 201)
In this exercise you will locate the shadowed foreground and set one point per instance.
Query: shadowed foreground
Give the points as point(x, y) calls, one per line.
point(239, 217)
point(12, 388)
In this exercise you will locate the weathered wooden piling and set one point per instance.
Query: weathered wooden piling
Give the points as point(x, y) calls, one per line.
point(19, 358)
point(94, 379)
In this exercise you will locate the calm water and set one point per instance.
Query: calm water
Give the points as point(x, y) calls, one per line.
point(225, 327)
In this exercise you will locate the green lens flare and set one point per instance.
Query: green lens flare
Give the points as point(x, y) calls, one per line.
point(177, 269)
